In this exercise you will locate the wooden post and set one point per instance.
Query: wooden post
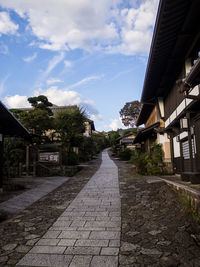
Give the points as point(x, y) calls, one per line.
point(27, 160)
point(171, 150)
point(1, 163)
point(190, 142)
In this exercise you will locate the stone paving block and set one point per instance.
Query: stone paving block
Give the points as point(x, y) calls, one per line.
point(114, 213)
point(52, 234)
point(47, 249)
point(102, 224)
point(104, 261)
point(62, 228)
point(77, 209)
point(91, 228)
point(47, 242)
point(45, 260)
point(74, 234)
point(111, 209)
point(78, 223)
point(66, 242)
point(74, 213)
point(83, 250)
point(114, 243)
point(113, 229)
point(62, 223)
point(64, 218)
point(101, 213)
point(115, 219)
point(91, 243)
point(81, 261)
point(104, 235)
point(110, 251)
point(103, 218)
point(69, 218)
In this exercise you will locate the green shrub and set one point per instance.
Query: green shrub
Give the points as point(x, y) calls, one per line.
point(17, 155)
point(140, 161)
point(149, 164)
point(155, 161)
point(125, 154)
point(69, 158)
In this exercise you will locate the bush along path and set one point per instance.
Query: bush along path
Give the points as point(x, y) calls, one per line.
point(19, 234)
point(157, 230)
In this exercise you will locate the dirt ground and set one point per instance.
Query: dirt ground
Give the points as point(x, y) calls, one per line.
point(157, 228)
point(19, 234)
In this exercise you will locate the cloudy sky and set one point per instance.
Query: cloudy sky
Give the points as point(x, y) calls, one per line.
point(84, 52)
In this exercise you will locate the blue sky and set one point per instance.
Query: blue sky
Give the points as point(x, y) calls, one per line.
point(84, 52)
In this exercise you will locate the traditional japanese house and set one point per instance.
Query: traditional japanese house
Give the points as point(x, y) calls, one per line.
point(154, 131)
point(9, 126)
point(127, 141)
point(173, 75)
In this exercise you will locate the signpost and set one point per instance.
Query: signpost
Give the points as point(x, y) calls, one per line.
point(49, 157)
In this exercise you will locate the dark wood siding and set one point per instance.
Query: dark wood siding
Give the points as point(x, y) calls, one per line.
point(186, 165)
point(197, 139)
point(177, 165)
point(174, 98)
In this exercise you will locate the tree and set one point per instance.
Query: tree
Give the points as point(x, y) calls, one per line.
point(37, 120)
point(129, 131)
point(70, 125)
point(130, 112)
point(113, 136)
point(41, 103)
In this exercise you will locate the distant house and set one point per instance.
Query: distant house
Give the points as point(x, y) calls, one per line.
point(89, 128)
point(89, 124)
point(127, 141)
point(173, 78)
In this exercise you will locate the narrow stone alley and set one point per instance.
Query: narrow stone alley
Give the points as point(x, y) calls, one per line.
point(88, 231)
point(105, 216)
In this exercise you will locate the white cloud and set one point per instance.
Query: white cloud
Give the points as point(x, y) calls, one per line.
point(116, 124)
point(96, 117)
point(136, 29)
point(85, 80)
point(17, 101)
point(90, 25)
point(53, 80)
point(6, 25)
point(61, 97)
point(31, 58)
point(58, 97)
point(53, 63)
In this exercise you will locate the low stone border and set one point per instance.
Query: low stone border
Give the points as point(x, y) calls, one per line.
point(192, 195)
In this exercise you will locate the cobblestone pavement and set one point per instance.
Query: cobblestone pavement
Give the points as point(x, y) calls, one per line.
point(21, 232)
point(22, 201)
point(88, 231)
point(158, 228)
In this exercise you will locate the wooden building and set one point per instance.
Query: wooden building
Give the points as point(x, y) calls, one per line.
point(9, 126)
point(154, 131)
point(173, 76)
point(127, 141)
